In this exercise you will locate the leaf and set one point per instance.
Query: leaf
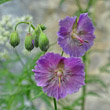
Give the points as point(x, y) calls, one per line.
point(61, 2)
point(95, 79)
point(77, 101)
point(3, 1)
point(105, 68)
point(93, 94)
point(41, 93)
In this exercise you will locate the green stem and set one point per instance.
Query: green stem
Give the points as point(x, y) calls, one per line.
point(19, 57)
point(55, 104)
point(62, 53)
point(89, 4)
point(84, 87)
point(79, 6)
point(83, 98)
point(29, 27)
point(39, 27)
point(24, 23)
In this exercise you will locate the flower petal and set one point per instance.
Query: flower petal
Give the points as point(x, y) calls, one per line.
point(71, 80)
point(68, 22)
point(85, 24)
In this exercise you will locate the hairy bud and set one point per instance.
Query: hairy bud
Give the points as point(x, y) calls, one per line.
point(29, 42)
point(14, 39)
point(43, 42)
point(35, 35)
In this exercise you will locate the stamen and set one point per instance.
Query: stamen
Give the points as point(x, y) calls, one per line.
point(59, 81)
point(80, 44)
point(81, 41)
point(74, 36)
point(86, 41)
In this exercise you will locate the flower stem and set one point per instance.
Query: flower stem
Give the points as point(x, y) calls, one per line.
point(84, 87)
point(24, 23)
point(29, 27)
point(55, 104)
point(79, 6)
point(62, 53)
point(17, 54)
point(83, 98)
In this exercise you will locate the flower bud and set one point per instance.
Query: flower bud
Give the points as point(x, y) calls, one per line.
point(29, 42)
point(35, 35)
point(14, 39)
point(43, 42)
point(42, 27)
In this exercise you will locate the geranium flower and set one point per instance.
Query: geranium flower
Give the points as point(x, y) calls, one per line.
point(76, 37)
point(58, 75)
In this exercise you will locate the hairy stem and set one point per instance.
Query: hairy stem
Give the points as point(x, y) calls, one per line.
point(62, 53)
point(79, 6)
point(19, 57)
point(55, 104)
point(84, 87)
point(24, 23)
point(89, 4)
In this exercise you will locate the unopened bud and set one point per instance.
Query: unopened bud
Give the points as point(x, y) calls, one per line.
point(14, 39)
point(43, 27)
point(35, 35)
point(29, 42)
point(43, 42)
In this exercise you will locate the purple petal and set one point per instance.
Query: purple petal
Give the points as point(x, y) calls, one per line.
point(85, 24)
point(68, 23)
point(71, 79)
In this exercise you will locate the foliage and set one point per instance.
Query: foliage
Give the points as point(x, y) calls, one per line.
point(3, 1)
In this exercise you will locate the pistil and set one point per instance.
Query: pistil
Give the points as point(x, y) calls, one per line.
point(74, 36)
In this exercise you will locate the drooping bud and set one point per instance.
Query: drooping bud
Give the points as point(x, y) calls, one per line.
point(14, 39)
point(35, 35)
point(43, 42)
point(29, 42)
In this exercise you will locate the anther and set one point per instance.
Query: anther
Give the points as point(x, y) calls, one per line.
point(86, 41)
point(80, 44)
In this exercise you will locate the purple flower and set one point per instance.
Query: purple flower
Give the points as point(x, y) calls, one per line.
point(76, 37)
point(58, 75)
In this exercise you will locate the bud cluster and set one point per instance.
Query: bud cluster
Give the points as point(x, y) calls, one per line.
point(36, 38)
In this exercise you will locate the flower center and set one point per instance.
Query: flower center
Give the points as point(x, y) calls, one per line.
point(74, 35)
point(59, 73)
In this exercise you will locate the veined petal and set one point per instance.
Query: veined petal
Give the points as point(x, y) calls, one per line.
point(59, 76)
point(68, 23)
point(79, 39)
point(85, 24)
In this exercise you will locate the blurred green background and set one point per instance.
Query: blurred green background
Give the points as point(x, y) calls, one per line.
point(18, 90)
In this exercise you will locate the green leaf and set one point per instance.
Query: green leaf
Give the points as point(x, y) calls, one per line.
point(96, 79)
point(93, 94)
point(41, 93)
point(105, 68)
point(61, 2)
point(3, 1)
